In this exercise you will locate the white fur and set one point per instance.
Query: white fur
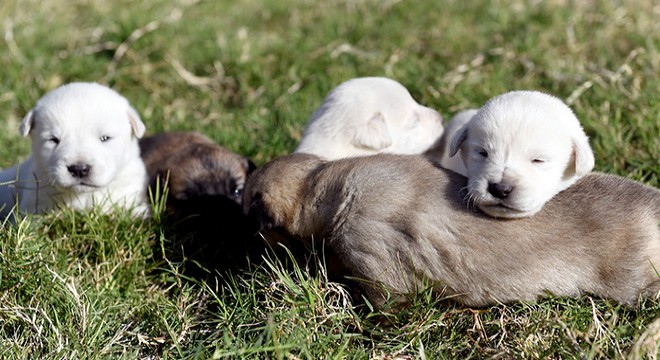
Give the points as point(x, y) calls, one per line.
point(85, 153)
point(525, 142)
point(370, 115)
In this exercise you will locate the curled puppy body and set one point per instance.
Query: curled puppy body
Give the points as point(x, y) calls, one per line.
point(519, 150)
point(400, 222)
point(85, 154)
point(205, 184)
point(370, 115)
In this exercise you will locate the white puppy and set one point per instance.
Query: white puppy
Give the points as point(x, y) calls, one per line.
point(85, 153)
point(370, 115)
point(519, 150)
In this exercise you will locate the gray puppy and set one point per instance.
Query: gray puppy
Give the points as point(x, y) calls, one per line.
point(399, 223)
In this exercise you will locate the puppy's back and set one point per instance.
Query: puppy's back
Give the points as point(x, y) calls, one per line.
point(399, 220)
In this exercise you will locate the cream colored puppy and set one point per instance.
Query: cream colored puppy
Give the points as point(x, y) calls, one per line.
point(519, 150)
point(399, 225)
point(84, 153)
point(370, 115)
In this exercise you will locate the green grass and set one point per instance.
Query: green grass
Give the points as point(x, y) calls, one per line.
point(248, 74)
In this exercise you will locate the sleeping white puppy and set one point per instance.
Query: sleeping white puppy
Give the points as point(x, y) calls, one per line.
point(85, 153)
point(370, 115)
point(519, 150)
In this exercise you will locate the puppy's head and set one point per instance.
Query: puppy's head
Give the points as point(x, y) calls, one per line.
point(82, 134)
point(370, 115)
point(195, 166)
point(210, 171)
point(520, 149)
point(274, 193)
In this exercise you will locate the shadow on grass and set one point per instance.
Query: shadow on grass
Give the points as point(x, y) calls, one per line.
point(207, 236)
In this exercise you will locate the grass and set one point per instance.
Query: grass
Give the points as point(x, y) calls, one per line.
point(248, 74)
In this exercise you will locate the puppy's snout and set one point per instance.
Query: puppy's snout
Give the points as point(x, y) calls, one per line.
point(79, 170)
point(258, 213)
point(500, 190)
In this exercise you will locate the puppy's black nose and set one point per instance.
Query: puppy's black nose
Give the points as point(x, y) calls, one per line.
point(79, 170)
point(500, 190)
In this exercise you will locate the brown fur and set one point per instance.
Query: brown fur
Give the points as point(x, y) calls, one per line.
point(197, 166)
point(400, 222)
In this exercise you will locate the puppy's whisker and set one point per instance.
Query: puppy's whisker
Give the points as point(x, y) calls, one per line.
point(465, 191)
point(471, 201)
point(466, 200)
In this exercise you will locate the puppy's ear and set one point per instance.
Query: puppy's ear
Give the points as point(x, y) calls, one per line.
point(584, 156)
point(136, 122)
point(251, 167)
point(26, 124)
point(457, 140)
point(375, 135)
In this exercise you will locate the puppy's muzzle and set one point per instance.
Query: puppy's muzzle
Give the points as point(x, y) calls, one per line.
point(80, 171)
point(500, 190)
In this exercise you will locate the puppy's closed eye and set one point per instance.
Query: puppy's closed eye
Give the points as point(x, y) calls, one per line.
point(54, 139)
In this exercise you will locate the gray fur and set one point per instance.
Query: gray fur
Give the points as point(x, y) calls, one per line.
point(400, 223)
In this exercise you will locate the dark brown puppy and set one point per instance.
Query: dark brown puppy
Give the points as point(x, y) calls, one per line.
point(400, 224)
point(197, 166)
point(205, 185)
